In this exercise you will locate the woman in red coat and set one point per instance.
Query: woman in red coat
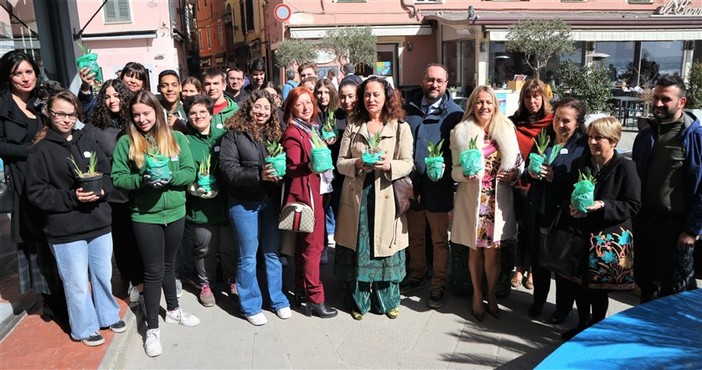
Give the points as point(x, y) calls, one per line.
point(303, 185)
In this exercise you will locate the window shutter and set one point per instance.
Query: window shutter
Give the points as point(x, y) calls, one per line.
point(117, 11)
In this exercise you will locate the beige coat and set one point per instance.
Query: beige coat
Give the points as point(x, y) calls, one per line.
point(465, 212)
point(389, 234)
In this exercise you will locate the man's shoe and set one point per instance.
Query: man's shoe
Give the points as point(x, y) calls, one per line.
point(178, 316)
point(206, 296)
point(436, 297)
point(412, 284)
point(152, 344)
point(93, 340)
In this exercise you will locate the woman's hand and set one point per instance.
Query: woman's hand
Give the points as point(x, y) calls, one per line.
point(360, 166)
point(383, 164)
point(547, 173)
point(575, 213)
point(268, 173)
point(330, 141)
point(87, 79)
point(88, 196)
point(596, 205)
point(471, 177)
point(508, 176)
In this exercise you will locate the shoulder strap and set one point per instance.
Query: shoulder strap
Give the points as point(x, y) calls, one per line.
point(397, 141)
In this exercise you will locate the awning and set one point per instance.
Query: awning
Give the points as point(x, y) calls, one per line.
point(110, 36)
point(386, 30)
point(616, 35)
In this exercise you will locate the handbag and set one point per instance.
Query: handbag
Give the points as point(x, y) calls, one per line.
point(7, 194)
point(297, 217)
point(403, 189)
point(561, 250)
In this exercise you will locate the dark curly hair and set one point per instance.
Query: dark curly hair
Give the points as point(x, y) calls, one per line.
point(392, 109)
point(102, 116)
point(243, 121)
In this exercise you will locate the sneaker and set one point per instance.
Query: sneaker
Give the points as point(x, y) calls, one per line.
point(206, 297)
point(119, 327)
point(179, 288)
point(178, 316)
point(257, 319)
point(412, 284)
point(284, 313)
point(152, 344)
point(436, 297)
point(393, 313)
point(93, 340)
point(133, 293)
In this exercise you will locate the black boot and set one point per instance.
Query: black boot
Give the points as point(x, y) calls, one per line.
point(320, 309)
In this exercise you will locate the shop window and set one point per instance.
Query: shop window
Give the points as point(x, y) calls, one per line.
point(577, 58)
point(117, 11)
point(617, 57)
point(459, 59)
point(505, 64)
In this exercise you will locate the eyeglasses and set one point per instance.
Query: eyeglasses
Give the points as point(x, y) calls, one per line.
point(202, 114)
point(62, 115)
point(432, 80)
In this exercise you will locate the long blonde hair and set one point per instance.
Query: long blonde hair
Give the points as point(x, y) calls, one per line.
point(498, 119)
point(161, 136)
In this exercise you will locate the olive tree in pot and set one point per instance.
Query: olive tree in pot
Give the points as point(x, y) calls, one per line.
point(91, 179)
point(589, 83)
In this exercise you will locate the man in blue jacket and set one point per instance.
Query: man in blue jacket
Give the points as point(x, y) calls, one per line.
point(668, 157)
point(431, 115)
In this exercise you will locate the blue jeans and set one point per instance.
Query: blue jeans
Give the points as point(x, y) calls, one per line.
point(77, 262)
point(255, 225)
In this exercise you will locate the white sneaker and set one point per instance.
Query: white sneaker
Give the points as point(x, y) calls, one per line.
point(181, 317)
point(152, 344)
point(284, 313)
point(133, 293)
point(257, 319)
point(179, 288)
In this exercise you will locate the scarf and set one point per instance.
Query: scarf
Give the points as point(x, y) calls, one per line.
point(527, 131)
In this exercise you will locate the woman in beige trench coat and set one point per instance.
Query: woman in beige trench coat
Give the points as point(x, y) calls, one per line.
point(370, 238)
point(484, 214)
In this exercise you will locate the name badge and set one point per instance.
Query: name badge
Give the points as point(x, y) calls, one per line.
point(87, 154)
point(564, 151)
point(220, 126)
point(216, 149)
point(174, 158)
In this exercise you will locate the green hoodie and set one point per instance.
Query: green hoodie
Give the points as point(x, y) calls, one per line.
point(149, 205)
point(207, 211)
point(219, 120)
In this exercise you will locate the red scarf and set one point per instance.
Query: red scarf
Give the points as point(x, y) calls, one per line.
point(527, 131)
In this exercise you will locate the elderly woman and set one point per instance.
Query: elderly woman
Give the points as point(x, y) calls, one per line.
point(608, 263)
point(484, 216)
point(371, 240)
point(532, 116)
point(548, 191)
point(254, 198)
point(304, 185)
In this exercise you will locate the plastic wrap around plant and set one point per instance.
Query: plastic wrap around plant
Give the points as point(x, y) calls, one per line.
point(157, 167)
point(435, 161)
point(89, 60)
point(583, 195)
point(321, 159)
point(278, 164)
point(471, 159)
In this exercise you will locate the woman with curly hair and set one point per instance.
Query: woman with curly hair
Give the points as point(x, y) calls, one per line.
point(107, 123)
point(370, 256)
point(254, 196)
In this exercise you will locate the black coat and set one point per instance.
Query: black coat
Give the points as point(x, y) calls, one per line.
point(52, 184)
point(241, 160)
point(107, 139)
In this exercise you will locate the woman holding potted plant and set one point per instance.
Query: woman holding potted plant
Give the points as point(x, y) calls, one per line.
point(134, 75)
point(253, 185)
point(206, 219)
point(483, 205)
point(370, 256)
point(77, 219)
point(155, 164)
point(304, 182)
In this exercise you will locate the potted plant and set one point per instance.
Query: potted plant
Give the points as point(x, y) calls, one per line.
point(276, 157)
point(435, 161)
point(157, 164)
point(329, 127)
point(694, 90)
point(539, 158)
point(90, 180)
point(471, 158)
point(205, 179)
point(372, 155)
point(89, 60)
point(583, 195)
point(453, 90)
point(321, 157)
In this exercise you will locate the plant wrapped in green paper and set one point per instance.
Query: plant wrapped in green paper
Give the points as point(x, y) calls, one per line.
point(157, 164)
point(435, 161)
point(89, 60)
point(583, 195)
point(471, 159)
point(276, 157)
point(536, 160)
point(329, 127)
point(373, 154)
point(320, 154)
point(91, 179)
point(205, 179)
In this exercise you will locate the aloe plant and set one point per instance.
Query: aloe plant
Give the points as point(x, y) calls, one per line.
point(435, 150)
point(329, 125)
point(273, 148)
point(374, 141)
point(586, 176)
point(317, 141)
point(92, 166)
point(473, 143)
point(204, 168)
point(542, 141)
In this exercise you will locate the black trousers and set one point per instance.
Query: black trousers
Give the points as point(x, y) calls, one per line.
point(158, 245)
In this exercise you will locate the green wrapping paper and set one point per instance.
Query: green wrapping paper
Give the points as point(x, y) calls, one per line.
point(583, 195)
point(535, 162)
point(321, 159)
point(157, 167)
point(278, 164)
point(205, 182)
point(90, 61)
point(471, 161)
point(435, 168)
point(370, 159)
point(328, 134)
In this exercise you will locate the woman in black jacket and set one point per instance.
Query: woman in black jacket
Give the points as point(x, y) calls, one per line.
point(254, 199)
point(77, 220)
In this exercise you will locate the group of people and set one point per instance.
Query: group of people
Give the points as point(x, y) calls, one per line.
point(187, 174)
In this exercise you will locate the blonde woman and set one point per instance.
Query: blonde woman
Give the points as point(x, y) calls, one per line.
point(484, 216)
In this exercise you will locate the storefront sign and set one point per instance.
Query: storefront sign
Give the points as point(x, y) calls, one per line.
point(679, 8)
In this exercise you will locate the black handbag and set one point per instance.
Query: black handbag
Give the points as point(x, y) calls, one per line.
point(7, 194)
point(561, 250)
